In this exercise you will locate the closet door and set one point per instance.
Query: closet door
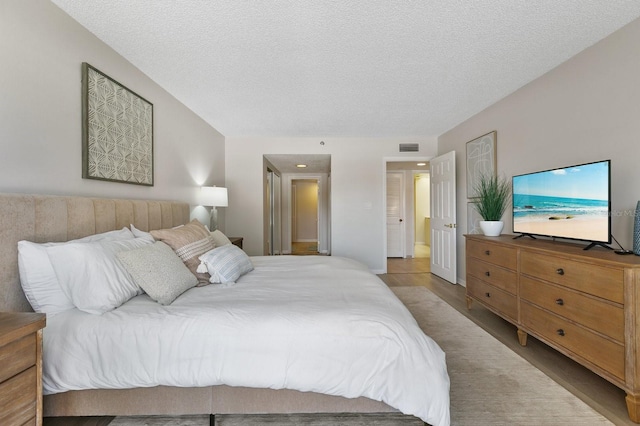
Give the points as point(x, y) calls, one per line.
point(395, 214)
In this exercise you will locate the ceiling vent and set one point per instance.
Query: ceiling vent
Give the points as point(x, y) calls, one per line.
point(409, 147)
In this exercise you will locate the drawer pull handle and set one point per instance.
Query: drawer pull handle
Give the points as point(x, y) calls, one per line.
point(488, 273)
point(560, 271)
point(487, 294)
point(559, 302)
point(487, 252)
point(560, 332)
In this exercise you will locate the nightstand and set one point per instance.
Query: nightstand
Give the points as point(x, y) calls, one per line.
point(236, 241)
point(21, 368)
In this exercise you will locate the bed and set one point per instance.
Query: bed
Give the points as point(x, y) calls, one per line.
point(292, 335)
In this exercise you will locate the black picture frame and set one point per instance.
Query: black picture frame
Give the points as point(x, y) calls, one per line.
point(117, 131)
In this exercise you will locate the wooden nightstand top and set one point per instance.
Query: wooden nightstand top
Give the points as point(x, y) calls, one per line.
point(236, 241)
point(14, 325)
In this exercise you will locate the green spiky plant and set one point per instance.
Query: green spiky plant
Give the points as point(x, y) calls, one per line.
point(493, 194)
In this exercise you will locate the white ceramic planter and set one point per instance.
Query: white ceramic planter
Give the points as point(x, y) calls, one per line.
point(491, 228)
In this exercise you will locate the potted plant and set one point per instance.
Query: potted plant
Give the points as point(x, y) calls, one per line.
point(494, 194)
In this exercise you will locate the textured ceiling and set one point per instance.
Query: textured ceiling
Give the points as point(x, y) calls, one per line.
point(346, 68)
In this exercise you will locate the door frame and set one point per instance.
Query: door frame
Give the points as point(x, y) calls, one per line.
point(293, 205)
point(386, 160)
point(324, 209)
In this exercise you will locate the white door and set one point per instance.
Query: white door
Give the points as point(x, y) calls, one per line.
point(443, 216)
point(395, 212)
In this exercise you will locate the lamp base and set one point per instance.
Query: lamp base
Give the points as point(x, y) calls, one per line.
point(213, 221)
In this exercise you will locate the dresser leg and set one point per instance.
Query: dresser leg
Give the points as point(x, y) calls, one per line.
point(469, 300)
point(522, 337)
point(633, 407)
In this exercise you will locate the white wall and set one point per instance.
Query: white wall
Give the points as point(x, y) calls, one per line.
point(42, 50)
point(357, 182)
point(585, 110)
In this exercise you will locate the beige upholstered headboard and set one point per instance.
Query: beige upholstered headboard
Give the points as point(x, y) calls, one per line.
point(43, 218)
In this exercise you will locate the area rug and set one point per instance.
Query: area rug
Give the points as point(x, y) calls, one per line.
point(490, 384)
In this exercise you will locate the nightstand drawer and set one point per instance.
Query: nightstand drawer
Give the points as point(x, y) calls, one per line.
point(17, 356)
point(18, 399)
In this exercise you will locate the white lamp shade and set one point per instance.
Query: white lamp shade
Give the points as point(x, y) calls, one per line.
point(214, 196)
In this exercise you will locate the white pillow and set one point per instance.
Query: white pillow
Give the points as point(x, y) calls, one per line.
point(225, 264)
point(141, 234)
point(91, 275)
point(158, 270)
point(38, 278)
point(219, 239)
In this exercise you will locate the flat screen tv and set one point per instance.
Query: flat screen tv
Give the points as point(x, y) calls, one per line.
point(570, 202)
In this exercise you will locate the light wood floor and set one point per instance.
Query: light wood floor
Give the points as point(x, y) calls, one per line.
point(595, 391)
point(301, 249)
point(591, 388)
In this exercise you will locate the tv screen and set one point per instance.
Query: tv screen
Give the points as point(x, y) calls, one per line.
point(571, 202)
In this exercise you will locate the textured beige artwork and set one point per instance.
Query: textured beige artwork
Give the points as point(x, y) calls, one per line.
point(117, 131)
point(481, 160)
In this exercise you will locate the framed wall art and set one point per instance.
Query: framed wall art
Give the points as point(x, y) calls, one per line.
point(117, 131)
point(473, 219)
point(481, 160)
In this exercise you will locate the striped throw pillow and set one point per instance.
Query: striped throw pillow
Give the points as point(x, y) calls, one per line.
point(189, 242)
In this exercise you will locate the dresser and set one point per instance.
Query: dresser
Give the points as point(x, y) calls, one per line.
point(21, 368)
point(583, 303)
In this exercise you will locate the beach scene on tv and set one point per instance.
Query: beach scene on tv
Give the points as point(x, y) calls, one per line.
point(571, 202)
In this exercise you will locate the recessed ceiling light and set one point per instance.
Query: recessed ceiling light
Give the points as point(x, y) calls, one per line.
point(422, 164)
point(301, 166)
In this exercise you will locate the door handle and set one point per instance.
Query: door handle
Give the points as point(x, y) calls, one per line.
point(450, 225)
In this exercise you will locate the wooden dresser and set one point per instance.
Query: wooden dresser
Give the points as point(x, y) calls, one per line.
point(584, 303)
point(21, 368)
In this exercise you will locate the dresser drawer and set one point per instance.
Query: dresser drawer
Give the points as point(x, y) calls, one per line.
point(17, 356)
point(18, 399)
point(603, 317)
point(504, 279)
point(500, 300)
point(506, 257)
point(596, 280)
point(596, 349)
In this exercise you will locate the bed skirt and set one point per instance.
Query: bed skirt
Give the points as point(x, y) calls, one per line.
point(167, 400)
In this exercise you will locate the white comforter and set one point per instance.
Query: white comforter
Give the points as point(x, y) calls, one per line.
point(315, 323)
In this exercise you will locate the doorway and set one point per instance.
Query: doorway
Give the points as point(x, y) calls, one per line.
point(289, 172)
point(407, 197)
point(422, 207)
point(304, 216)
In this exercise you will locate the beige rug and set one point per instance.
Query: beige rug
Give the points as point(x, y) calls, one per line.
point(490, 384)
